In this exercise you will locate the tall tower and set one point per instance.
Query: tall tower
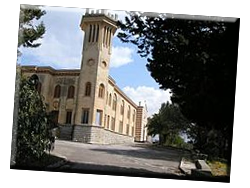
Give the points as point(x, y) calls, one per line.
point(99, 28)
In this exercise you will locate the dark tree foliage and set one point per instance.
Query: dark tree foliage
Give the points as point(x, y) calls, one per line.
point(197, 61)
point(213, 142)
point(185, 56)
point(34, 135)
point(29, 30)
point(168, 123)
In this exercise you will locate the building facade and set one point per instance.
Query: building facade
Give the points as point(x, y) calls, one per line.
point(87, 103)
point(141, 124)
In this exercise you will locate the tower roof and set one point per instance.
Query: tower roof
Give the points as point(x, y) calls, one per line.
point(99, 15)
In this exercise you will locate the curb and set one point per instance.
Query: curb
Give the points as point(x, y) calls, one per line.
point(181, 166)
point(58, 164)
point(202, 169)
point(201, 164)
point(186, 166)
point(199, 168)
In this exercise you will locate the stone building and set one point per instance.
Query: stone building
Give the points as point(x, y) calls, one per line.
point(141, 122)
point(87, 103)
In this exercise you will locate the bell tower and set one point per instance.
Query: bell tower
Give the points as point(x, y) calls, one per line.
point(99, 28)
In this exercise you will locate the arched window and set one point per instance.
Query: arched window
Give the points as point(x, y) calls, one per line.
point(57, 91)
point(128, 115)
point(104, 35)
point(107, 36)
point(104, 64)
point(90, 31)
point(39, 87)
point(114, 102)
point(93, 37)
point(134, 116)
point(97, 33)
point(122, 108)
point(88, 89)
point(71, 92)
point(34, 80)
point(110, 35)
point(110, 98)
point(101, 91)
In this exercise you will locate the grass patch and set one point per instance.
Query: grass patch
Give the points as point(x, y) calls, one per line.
point(219, 168)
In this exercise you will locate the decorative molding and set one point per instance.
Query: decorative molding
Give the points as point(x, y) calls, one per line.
point(91, 62)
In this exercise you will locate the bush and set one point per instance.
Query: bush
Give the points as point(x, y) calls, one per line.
point(177, 141)
point(33, 127)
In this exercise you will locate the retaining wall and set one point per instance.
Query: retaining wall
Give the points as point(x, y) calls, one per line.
point(99, 135)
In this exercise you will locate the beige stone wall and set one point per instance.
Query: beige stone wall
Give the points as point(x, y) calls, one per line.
point(141, 122)
point(95, 65)
point(138, 124)
point(99, 135)
point(82, 133)
point(65, 103)
point(99, 31)
point(95, 69)
point(88, 72)
point(119, 117)
point(144, 125)
point(49, 79)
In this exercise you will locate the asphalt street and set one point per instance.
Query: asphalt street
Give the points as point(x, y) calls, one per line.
point(135, 159)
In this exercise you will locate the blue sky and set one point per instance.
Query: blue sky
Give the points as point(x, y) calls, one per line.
point(62, 45)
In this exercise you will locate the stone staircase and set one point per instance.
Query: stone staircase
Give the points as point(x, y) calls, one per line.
point(65, 132)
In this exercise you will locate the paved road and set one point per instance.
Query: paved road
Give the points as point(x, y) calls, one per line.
point(134, 159)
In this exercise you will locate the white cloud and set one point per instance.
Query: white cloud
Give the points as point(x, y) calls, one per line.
point(61, 44)
point(153, 97)
point(55, 53)
point(121, 56)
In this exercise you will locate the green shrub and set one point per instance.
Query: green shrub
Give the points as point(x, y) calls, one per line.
point(33, 126)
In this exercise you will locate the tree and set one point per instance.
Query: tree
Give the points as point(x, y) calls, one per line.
point(168, 123)
point(34, 135)
point(29, 32)
point(197, 61)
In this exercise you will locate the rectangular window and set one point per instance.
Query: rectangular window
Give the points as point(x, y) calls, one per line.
point(97, 33)
point(121, 127)
point(104, 35)
point(68, 117)
point(113, 123)
point(128, 114)
point(108, 122)
point(105, 119)
point(110, 98)
point(85, 116)
point(127, 129)
point(133, 130)
point(122, 110)
point(98, 118)
point(134, 116)
point(90, 32)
